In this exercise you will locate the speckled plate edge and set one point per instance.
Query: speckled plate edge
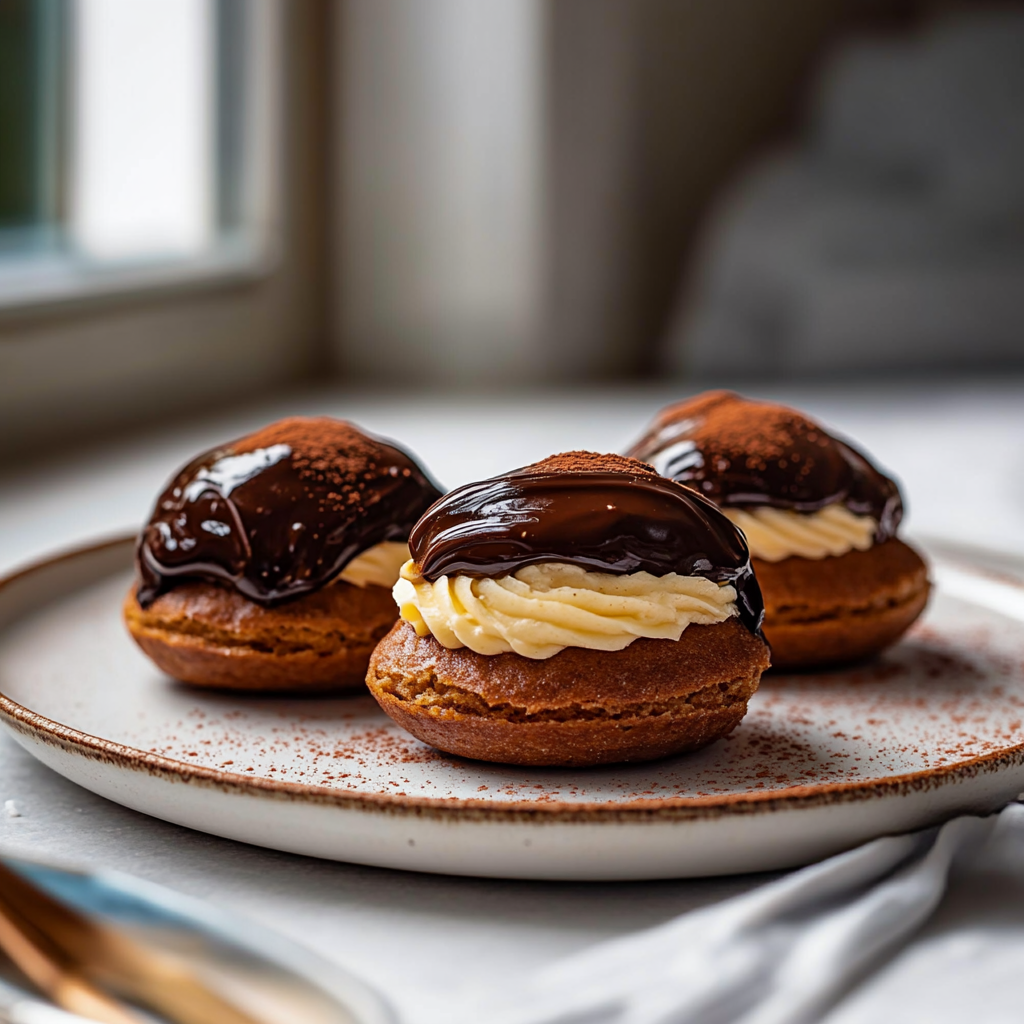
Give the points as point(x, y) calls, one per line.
point(26, 722)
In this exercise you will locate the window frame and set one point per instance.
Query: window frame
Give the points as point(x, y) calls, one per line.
point(249, 79)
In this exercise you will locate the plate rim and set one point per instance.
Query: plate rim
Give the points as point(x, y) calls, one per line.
point(28, 723)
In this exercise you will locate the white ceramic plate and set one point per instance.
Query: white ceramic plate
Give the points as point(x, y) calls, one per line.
point(821, 762)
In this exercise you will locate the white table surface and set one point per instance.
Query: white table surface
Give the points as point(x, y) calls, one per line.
point(958, 450)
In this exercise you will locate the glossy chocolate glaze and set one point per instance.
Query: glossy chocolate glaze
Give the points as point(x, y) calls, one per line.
point(280, 519)
point(746, 454)
point(604, 520)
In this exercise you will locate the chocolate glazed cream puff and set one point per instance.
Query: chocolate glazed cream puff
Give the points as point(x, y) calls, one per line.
point(820, 520)
point(268, 563)
point(580, 611)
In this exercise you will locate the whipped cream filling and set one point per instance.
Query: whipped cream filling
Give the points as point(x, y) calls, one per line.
point(542, 609)
point(378, 566)
point(774, 534)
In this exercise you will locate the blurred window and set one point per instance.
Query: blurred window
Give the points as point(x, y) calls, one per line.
point(127, 156)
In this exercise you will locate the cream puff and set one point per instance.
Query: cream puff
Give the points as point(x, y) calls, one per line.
point(821, 521)
point(267, 563)
point(579, 611)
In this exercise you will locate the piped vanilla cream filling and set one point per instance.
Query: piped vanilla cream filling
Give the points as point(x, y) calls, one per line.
point(775, 533)
point(542, 609)
point(377, 566)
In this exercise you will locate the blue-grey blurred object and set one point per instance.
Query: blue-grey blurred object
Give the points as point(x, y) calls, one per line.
point(262, 972)
point(893, 236)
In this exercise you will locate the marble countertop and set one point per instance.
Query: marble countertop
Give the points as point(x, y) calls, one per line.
point(958, 450)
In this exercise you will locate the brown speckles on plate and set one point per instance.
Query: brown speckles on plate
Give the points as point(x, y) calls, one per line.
point(946, 704)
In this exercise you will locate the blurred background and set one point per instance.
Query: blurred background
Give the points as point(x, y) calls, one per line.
point(204, 202)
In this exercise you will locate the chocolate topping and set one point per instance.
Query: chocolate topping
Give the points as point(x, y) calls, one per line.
point(746, 454)
point(606, 513)
point(280, 512)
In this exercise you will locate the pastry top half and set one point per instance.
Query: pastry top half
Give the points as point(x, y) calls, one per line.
point(791, 486)
point(285, 511)
point(579, 550)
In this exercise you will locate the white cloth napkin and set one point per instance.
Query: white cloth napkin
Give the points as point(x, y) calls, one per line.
point(851, 940)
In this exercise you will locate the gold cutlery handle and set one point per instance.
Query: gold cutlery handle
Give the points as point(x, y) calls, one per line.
point(47, 968)
point(58, 944)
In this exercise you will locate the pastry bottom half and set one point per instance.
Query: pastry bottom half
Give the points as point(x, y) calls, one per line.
point(581, 707)
point(827, 611)
point(211, 635)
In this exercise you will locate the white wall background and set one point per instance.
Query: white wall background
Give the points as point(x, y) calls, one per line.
point(438, 162)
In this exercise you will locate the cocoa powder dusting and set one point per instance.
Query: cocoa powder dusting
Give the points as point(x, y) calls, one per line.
point(328, 451)
point(736, 428)
point(588, 462)
point(946, 697)
point(746, 454)
point(282, 511)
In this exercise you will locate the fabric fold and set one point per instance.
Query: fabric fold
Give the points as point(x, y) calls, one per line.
point(785, 953)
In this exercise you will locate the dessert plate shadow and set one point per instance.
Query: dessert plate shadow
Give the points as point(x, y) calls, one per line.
point(822, 762)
